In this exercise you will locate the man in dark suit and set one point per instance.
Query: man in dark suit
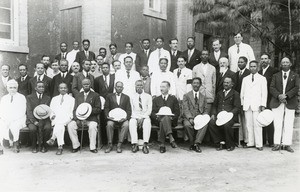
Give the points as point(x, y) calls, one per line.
point(77, 79)
point(87, 96)
point(192, 54)
point(267, 71)
point(143, 55)
point(23, 80)
point(104, 84)
point(284, 89)
point(63, 54)
point(117, 100)
point(40, 71)
point(165, 122)
point(85, 54)
point(224, 72)
point(114, 55)
point(4, 78)
point(174, 52)
point(194, 103)
point(226, 100)
point(216, 54)
point(40, 129)
point(62, 77)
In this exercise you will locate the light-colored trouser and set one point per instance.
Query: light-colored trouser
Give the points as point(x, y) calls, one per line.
point(133, 130)
point(72, 129)
point(243, 133)
point(283, 127)
point(14, 128)
point(59, 133)
point(253, 129)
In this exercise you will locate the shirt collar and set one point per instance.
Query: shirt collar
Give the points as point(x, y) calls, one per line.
point(24, 77)
point(42, 76)
point(167, 95)
point(264, 69)
point(194, 92)
point(287, 72)
point(38, 94)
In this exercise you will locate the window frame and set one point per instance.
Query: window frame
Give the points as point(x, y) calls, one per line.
point(158, 11)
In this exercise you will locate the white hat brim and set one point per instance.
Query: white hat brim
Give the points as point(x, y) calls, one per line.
point(224, 120)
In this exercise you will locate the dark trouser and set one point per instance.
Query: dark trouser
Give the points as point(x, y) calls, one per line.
point(40, 133)
point(268, 134)
point(165, 128)
point(222, 133)
point(189, 128)
point(110, 130)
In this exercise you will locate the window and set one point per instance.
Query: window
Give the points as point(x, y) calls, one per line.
point(6, 19)
point(155, 8)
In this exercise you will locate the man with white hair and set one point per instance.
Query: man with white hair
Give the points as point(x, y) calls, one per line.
point(12, 120)
point(4, 78)
point(224, 72)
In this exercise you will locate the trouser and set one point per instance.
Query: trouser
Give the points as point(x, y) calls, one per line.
point(110, 130)
point(223, 133)
point(165, 128)
point(72, 129)
point(40, 133)
point(268, 134)
point(10, 130)
point(59, 133)
point(243, 133)
point(146, 126)
point(189, 128)
point(283, 124)
point(253, 129)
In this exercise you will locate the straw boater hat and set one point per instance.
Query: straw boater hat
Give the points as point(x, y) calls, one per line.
point(200, 121)
point(83, 111)
point(117, 114)
point(223, 117)
point(42, 111)
point(265, 118)
point(165, 111)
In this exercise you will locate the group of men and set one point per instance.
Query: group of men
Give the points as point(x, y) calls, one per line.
point(153, 87)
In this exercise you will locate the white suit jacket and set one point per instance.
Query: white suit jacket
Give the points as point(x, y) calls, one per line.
point(146, 105)
point(62, 110)
point(158, 77)
point(129, 84)
point(254, 94)
point(181, 82)
point(245, 50)
point(122, 57)
point(153, 61)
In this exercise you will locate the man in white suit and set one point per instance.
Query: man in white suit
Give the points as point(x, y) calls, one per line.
point(62, 107)
point(254, 93)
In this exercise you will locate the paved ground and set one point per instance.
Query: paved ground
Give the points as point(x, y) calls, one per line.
point(176, 170)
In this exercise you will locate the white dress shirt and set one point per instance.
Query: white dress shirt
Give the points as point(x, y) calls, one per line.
point(122, 57)
point(107, 79)
point(158, 77)
point(128, 83)
point(146, 105)
point(181, 82)
point(118, 97)
point(153, 61)
point(71, 56)
point(62, 107)
point(217, 55)
point(244, 50)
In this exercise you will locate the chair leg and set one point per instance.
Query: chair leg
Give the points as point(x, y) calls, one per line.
point(99, 138)
point(81, 139)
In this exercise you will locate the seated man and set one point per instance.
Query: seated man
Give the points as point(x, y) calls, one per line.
point(194, 103)
point(40, 128)
point(117, 100)
point(165, 122)
point(62, 107)
point(141, 104)
point(12, 115)
point(87, 96)
point(226, 100)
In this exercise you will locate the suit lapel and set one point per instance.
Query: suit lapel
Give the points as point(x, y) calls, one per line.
point(191, 96)
point(228, 94)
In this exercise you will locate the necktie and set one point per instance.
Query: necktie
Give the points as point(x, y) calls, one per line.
point(221, 74)
point(140, 103)
point(225, 93)
point(284, 76)
point(146, 53)
point(85, 96)
point(174, 53)
point(128, 74)
point(105, 82)
point(196, 98)
point(11, 99)
point(63, 75)
point(165, 102)
point(241, 73)
point(178, 72)
point(86, 54)
point(40, 97)
point(62, 99)
point(159, 53)
point(39, 78)
point(189, 55)
point(238, 49)
point(252, 77)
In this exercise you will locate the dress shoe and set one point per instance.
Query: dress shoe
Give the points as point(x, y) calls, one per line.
point(16, 147)
point(1, 152)
point(44, 149)
point(192, 147)
point(276, 148)
point(173, 144)
point(271, 145)
point(134, 148)
point(94, 151)
point(162, 149)
point(75, 150)
point(119, 148)
point(230, 149)
point(260, 148)
point(145, 149)
point(221, 147)
point(50, 142)
point(109, 148)
point(59, 151)
point(34, 150)
point(197, 148)
point(288, 148)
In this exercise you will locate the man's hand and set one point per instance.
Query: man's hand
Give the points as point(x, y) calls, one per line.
point(261, 108)
point(53, 117)
point(122, 120)
point(110, 118)
point(36, 123)
point(281, 97)
point(158, 117)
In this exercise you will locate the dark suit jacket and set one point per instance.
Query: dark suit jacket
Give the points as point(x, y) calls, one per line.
point(32, 102)
point(171, 102)
point(77, 82)
point(57, 79)
point(268, 75)
point(230, 103)
point(99, 85)
point(141, 59)
point(47, 81)
point(80, 56)
point(24, 87)
point(111, 103)
point(59, 57)
point(94, 100)
point(190, 109)
point(212, 60)
point(291, 90)
point(174, 60)
point(220, 79)
point(239, 79)
point(195, 58)
point(3, 90)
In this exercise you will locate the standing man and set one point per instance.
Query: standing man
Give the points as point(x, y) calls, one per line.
point(87, 96)
point(4, 79)
point(157, 54)
point(165, 122)
point(254, 95)
point(103, 53)
point(174, 52)
point(192, 54)
point(267, 71)
point(104, 84)
point(63, 52)
point(117, 100)
point(237, 50)
point(145, 77)
point(77, 79)
point(116, 66)
point(40, 71)
point(128, 52)
point(284, 89)
point(85, 54)
point(224, 72)
point(143, 55)
point(23, 80)
point(71, 56)
point(62, 107)
point(114, 55)
point(207, 73)
point(194, 103)
point(216, 54)
point(141, 105)
point(128, 77)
